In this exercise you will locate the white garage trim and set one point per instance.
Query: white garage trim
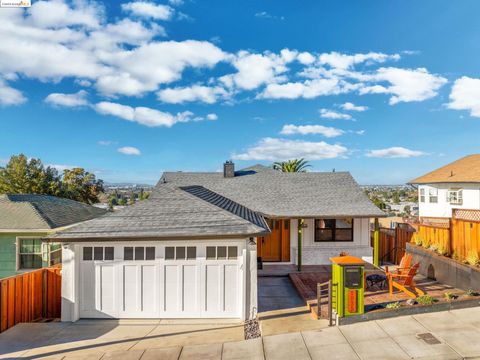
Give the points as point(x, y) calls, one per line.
point(99, 284)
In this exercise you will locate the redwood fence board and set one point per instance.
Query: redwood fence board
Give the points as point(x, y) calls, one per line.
point(30, 296)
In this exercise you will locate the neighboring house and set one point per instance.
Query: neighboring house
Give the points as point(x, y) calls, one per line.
point(190, 250)
point(25, 220)
point(453, 186)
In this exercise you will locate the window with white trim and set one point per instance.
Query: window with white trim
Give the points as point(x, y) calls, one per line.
point(455, 196)
point(180, 252)
point(422, 195)
point(33, 253)
point(433, 195)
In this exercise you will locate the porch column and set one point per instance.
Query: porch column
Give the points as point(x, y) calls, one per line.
point(375, 243)
point(299, 246)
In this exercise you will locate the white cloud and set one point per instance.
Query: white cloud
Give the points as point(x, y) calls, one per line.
point(145, 67)
point(308, 89)
point(348, 106)
point(106, 142)
point(254, 70)
point(406, 85)
point(465, 95)
point(144, 115)
point(394, 152)
point(68, 100)
point(180, 95)
point(58, 13)
point(10, 96)
point(330, 114)
point(306, 58)
point(149, 10)
point(212, 117)
point(129, 150)
point(273, 149)
point(311, 129)
point(344, 61)
point(266, 15)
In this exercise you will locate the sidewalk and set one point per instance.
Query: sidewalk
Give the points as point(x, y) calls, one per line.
point(443, 335)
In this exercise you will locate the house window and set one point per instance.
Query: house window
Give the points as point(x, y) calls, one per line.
point(333, 230)
point(455, 196)
point(433, 195)
point(33, 253)
point(422, 195)
point(30, 253)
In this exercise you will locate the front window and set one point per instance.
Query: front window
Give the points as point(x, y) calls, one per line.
point(433, 195)
point(333, 230)
point(455, 196)
point(422, 195)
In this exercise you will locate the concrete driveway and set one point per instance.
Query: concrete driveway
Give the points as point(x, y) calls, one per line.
point(277, 293)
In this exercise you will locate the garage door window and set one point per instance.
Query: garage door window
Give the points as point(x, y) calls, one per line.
point(139, 253)
point(222, 252)
point(98, 253)
point(180, 253)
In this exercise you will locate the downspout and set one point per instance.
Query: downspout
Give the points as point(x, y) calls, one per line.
point(299, 246)
point(375, 243)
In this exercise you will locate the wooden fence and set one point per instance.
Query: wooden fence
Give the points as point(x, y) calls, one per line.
point(30, 297)
point(392, 243)
point(459, 236)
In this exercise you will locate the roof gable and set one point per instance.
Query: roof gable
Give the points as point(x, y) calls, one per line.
point(464, 170)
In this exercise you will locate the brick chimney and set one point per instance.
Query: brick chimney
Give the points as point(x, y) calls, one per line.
point(228, 169)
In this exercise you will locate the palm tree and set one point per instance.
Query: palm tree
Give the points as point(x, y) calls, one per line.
point(294, 165)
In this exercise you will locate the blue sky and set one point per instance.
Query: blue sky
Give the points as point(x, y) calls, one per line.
point(387, 90)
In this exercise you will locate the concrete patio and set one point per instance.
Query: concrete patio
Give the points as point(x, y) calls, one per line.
point(444, 335)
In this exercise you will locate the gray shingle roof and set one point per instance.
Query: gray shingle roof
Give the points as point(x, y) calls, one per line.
point(42, 212)
point(172, 213)
point(276, 194)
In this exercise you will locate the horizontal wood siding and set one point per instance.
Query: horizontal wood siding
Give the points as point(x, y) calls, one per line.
point(30, 296)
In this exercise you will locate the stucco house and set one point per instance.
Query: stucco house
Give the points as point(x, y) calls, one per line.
point(453, 186)
point(25, 220)
point(191, 250)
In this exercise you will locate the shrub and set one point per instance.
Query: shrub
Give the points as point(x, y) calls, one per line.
point(472, 258)
point(418, 240)
point(471, 292)
point(393, 305)
point(434, 247)
point(449, 296)
point(426, 243)
point(425, 300)
point(442, 250)
point(455, 256)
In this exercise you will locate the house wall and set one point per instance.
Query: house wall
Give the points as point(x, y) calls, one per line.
point(8, 252)
point(315, 253)
point(443, 209)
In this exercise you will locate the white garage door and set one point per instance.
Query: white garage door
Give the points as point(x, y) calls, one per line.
point(162, 280)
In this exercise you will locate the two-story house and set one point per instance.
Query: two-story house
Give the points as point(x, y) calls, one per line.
point(453, 186)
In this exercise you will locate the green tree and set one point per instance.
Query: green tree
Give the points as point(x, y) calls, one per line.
point(294, 165)
point(81, 185)
point(132, 198)
point(122, 201)
point(29, 176)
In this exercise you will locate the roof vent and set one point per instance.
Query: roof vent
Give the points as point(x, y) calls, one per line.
point(228, 169)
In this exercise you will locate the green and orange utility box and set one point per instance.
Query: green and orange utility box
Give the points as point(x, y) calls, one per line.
point(347, 285)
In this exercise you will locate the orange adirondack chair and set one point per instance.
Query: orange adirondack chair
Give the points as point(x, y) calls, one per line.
point(404, 265)
point(405, 282)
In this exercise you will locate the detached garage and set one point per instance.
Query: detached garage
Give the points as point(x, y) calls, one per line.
point(184, 253)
